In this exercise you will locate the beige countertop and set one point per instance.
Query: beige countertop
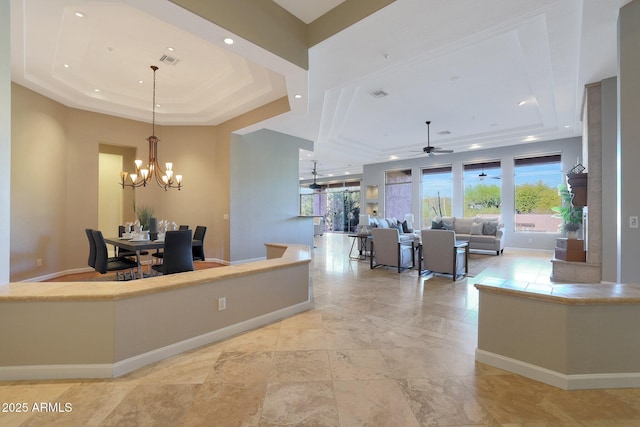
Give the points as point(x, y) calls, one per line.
point(108, 291)
point(570, 294)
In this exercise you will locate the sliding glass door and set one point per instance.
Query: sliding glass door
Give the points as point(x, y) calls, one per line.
point(338, 203)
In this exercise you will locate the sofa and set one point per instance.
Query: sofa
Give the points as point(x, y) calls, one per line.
point(483, 233)
point(406, 233)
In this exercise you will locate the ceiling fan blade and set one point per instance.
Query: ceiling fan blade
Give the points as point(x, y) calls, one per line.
point(440, 150)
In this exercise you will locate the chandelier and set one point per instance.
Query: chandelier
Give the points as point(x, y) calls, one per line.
point(152, 172)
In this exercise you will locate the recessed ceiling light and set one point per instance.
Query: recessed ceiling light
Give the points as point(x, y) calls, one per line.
point(157, 105)
point(170, 49)
point(530, 138)
point(347, 173)
point(393, 157)
point(567, 126)
point(297, 96)
point(96, 90)
point(228, 40)
point(79, 14)
point(521, 103)
point(140, 81)
point(66, 65)
point(475, 146)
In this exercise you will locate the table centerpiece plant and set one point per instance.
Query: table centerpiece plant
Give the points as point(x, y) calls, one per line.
point(144, 214)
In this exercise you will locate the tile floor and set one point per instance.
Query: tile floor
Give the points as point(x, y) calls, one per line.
point(379, 349)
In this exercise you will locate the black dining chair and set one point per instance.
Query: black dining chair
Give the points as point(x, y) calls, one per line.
point(91, 261)
point(198, 251)
point(160, 255)
point(177, 253)
point(122, 266)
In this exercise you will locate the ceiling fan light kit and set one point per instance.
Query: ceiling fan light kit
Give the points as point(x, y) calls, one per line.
point(315, 185)
point(429, 150)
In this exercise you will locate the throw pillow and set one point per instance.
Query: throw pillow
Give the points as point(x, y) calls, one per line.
point(477, 227)
point(405, 227)
point(448, 223)
point(490, 228)
point(399, 227)
point(436, 225)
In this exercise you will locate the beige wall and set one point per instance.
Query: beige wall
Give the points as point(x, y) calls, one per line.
point(38, 184)
point(264, 23)
point(55, 179)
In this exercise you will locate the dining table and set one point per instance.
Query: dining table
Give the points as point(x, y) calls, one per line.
point(139, 245)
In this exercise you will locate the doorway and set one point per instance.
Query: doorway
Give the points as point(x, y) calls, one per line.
point(115, 205)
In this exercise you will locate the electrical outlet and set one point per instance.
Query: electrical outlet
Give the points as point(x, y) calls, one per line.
point(633, 222)
point(222, 303)
point(39, 262)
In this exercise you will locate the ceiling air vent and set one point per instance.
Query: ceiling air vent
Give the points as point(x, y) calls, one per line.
point(444, 132)
point(169, 60)
point(378, 94)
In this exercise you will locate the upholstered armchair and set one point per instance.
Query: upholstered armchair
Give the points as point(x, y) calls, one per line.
point(441, 254)
point(318, 226)
point(387, 249)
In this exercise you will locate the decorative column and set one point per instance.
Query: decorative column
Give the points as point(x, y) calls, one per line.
point(589, 272)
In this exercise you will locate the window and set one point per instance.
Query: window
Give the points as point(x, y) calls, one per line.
point(536, 192)
point(482, 189)
point(397, 195)
point(437, 189)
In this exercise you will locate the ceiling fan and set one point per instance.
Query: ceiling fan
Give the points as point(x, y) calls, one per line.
point(429, 150)
point(314, 172)
point(482, 175)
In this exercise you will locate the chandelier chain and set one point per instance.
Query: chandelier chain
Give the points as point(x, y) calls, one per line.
point(153, 106)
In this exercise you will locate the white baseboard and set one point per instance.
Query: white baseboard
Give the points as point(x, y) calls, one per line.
point(58, 274)
point(111, 370)
point(55, 372)
point(244, 261)
point(557, 379)
point(219, 261)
